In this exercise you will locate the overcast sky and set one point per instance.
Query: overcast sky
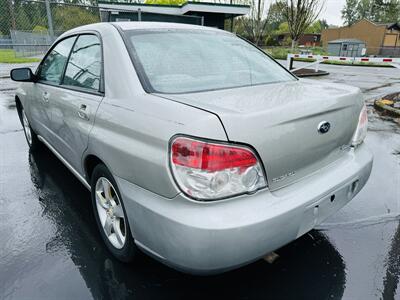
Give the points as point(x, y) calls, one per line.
point(332, 13)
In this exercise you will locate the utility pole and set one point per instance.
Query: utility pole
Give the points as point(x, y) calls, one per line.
point(49, 19)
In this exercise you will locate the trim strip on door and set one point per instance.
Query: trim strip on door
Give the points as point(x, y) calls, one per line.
point(62, 159)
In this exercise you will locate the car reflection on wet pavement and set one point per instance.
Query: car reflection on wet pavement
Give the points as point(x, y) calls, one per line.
point(68, 236)
point(50, 247)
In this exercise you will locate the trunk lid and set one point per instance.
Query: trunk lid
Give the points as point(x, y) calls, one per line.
point(281, 122)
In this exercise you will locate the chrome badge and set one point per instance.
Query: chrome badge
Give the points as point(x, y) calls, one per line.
point(324, 127)
point(284, 176)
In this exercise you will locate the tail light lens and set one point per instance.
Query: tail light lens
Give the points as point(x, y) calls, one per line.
point(362, 127)
point(211, 171)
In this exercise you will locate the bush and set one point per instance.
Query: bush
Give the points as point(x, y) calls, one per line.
point(278, 52)
point(39, 29)
point(271, 41)
point(282, 52)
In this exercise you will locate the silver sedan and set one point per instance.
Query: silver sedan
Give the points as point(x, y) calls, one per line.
point(197, 147)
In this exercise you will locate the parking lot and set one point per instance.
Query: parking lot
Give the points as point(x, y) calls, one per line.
point(51, 248)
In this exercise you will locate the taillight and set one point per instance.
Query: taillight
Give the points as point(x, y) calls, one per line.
point(362, 127)
point(209, 171)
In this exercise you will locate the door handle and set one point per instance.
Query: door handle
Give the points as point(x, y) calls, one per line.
point(46, 96)
point(83, 112)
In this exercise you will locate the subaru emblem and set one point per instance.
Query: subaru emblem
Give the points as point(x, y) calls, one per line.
point(324, 127)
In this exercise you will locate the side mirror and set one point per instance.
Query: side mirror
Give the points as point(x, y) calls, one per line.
point(22, 74)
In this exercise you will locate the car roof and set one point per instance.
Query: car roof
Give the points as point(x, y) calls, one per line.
point(159, 25)
point(135, 25)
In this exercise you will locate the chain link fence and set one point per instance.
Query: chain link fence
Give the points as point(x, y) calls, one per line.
point(28, 27)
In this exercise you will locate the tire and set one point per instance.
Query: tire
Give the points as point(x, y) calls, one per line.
point(30, 135)
point(110, 214)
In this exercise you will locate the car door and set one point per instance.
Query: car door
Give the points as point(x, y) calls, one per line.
point(49, 75)
point(74, 105)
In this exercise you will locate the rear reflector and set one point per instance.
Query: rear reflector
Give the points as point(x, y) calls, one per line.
point(362, 127)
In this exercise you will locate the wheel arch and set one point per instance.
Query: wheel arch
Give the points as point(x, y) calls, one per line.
point(90, 162)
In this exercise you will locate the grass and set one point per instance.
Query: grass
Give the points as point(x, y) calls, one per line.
point(8, 56)
point(278, 53)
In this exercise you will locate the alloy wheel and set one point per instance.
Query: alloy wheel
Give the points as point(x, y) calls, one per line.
point(111, 213)
point(27, 128)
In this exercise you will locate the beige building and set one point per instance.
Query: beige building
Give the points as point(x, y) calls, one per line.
point(380, 39)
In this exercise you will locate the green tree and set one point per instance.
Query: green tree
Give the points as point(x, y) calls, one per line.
point(68, 17)
point(314, 28)
point(254, 26)
point(283, 28)
point(349, 12)
point(365, 10)
point(380, 11)
point(390, 11)
point(166, 2)
point(317, 26)
point(24, 15)
point(275, 16)
point(262, 24)
point(324, 24)
point(29, 15)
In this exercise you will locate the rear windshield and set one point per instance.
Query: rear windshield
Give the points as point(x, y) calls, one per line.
point(183, 61)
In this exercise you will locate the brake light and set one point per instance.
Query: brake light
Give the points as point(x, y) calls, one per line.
point(362, 127)
point(209, 171)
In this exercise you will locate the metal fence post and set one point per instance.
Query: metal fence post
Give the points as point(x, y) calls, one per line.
point(139, 13)
point(49, 19)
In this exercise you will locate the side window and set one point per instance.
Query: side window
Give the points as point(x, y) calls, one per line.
point(51, 69)
point(84, 65)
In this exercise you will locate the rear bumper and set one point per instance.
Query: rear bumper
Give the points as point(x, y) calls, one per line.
point(206, 238)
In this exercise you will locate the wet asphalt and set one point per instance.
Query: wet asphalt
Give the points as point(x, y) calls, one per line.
point(50, 247)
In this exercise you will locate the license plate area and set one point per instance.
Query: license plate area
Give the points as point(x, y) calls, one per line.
point(320, 210)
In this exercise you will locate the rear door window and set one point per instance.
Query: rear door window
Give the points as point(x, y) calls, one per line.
point(52, 67)
point(84, 65)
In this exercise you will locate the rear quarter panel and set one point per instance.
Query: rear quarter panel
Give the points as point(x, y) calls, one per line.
point(133, 140)
point(132, 129)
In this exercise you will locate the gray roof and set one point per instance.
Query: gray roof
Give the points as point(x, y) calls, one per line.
point(350, 41)
point(181, 9)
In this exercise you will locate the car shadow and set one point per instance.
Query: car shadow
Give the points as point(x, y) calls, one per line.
point(308, 268)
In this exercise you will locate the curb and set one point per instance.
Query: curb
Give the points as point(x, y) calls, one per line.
point(379, 105)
